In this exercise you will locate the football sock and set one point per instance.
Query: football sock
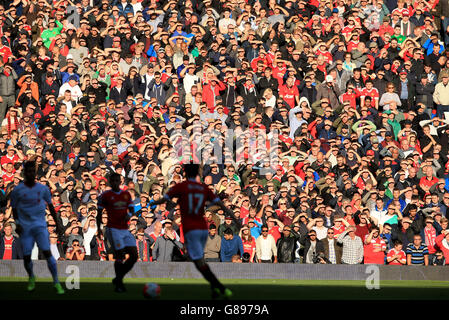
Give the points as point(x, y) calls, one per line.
point(51, 263)
point(118, 267)
point(28, 265)
point(209, 276)
point(129, 263)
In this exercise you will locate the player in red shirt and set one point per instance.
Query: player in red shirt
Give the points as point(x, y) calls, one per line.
point(118, 205)
point(375, 246)
point(191, 197)
point(396, 256)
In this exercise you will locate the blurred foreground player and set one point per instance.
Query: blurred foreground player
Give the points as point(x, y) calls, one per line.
point(192, 197)
point(29, 201)
point(118, 205)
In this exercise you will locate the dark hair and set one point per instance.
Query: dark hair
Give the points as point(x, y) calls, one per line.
point(191, 170)
point(29, 164)
point(228, 231)
point(114, 175)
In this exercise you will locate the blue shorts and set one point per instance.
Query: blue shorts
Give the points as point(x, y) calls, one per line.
point(120, 238)
point(35, 234)
point(195, 243)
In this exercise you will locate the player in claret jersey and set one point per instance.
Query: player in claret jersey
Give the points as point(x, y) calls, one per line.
point(192, 197)
point(118, 206)
point(29, 201)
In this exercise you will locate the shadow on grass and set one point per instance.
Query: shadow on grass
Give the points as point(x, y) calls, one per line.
point(104, 291)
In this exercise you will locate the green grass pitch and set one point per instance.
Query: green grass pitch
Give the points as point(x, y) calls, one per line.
point(244, 289)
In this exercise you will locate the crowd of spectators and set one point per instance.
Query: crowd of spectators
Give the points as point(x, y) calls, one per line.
point(323, 125)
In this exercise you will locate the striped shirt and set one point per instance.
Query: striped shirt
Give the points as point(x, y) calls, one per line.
point(352, 248)
point(332, 257)
point(417, 253)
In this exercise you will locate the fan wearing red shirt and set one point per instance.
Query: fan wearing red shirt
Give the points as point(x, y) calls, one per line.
point(273, 229)
point(249, 242)
point(370, 91)
point(10, 157)
point(396, 256)
point(8, 174)
point(428, 180)
point(192, 197)
point(374, 247)
point(289, 92)
point(117, 204)
point(350, 96)
point(279, 70)
point(262, 58)
point(348, 29)
point(322, 51)
point(5, 52)
point(271, 54)
point(338, 227)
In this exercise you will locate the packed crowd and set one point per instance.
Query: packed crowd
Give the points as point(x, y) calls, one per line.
point(324, 126)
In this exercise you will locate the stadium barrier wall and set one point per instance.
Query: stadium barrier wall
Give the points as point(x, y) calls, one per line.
point(105, 269)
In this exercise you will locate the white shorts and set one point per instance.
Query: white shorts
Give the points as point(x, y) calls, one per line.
point(120, 238)
point(37, 234)
point(195, 243)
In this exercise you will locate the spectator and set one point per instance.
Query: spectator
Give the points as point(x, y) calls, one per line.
point(266, 251)
point(313, 247)
point(317, 225)
point(10, 246)
point(332, 250)
point(75, 251)
point(230, 245)
point(443, 243)
point(438, 259)
point(89, 231)
point(352, 246)
point(143, 246)
point(166, 243)
point(396, 256)
point(99, 248)
point(286, 246)
point(374, 247)
point(417, 252)
point(249, 242)
point(213, 245)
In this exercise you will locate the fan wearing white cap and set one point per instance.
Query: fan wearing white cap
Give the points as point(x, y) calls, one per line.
point(328, 89)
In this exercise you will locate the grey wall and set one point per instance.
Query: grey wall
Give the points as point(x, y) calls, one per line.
point(96, 269)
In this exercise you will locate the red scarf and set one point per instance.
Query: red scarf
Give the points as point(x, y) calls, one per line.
point(145, 250)
point(16, 124)
point(430, 235)
point(100, 248)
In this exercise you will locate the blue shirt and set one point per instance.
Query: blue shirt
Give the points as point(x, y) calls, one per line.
point(256, 231)
point(404, 91)
point(428, 45)
point(417, 254)
point(230, 248)
point(31, 204)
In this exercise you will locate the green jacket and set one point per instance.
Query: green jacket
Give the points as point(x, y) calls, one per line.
point(48, 34)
